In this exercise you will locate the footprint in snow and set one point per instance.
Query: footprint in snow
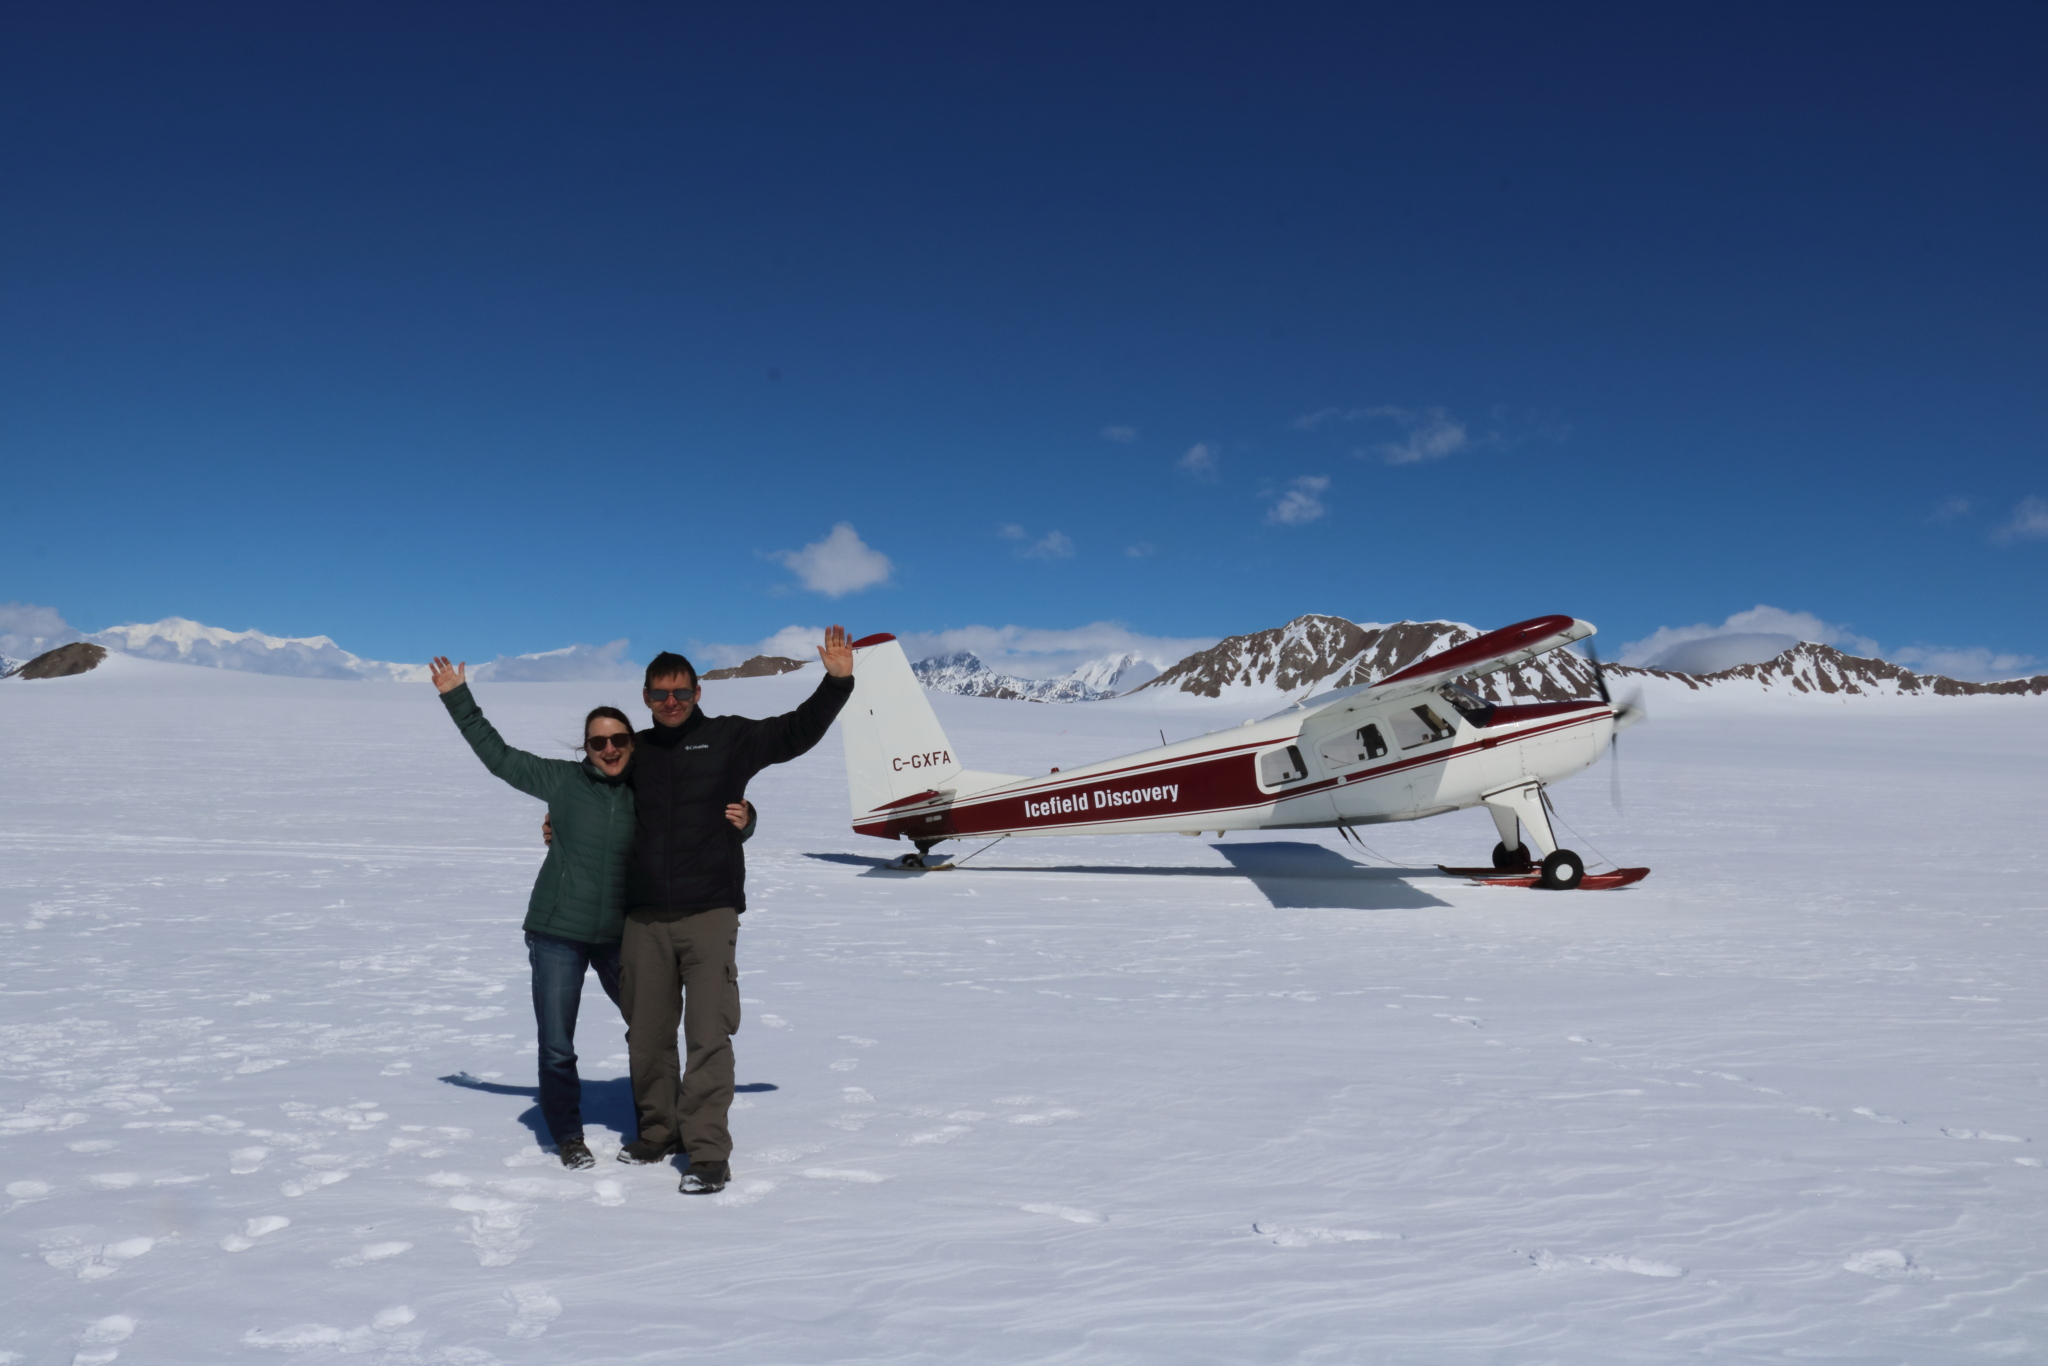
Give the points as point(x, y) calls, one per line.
point(844, 1174)
point(379, 1334)
point(372, 1252)
point(260, 1227)
point(744, 1192)
point(1308, 1237)
point(1049, 1117)
point(97, 1344)
point(304, 1185)
point(1885, 1263)
point(93, 1145)
point(945, 1135)
point(1545, 1260)
point(1871, 1114)
point(22, 1192)
point(536, 1309)
point(93, 1261)
point(1066, 1212)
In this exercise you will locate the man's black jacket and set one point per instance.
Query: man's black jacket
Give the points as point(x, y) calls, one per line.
point(686, 855)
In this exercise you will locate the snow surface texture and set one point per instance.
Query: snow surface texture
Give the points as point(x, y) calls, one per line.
point(1118, 1100)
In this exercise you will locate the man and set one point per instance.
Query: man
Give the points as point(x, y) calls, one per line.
point(685, 891)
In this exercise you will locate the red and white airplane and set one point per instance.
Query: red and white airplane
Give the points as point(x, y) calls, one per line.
point(1413, 744)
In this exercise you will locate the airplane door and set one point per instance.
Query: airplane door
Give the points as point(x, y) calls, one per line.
point(1363, 747)
point(1287, 770)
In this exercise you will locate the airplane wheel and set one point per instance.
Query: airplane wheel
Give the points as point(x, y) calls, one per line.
point(912, 861)
point(1512, 860)
point(1563, 871)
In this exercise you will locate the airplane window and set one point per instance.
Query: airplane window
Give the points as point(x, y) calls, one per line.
point(1470, 705)
point(1353, 747)
point(1420, 726)
point(1280, 766)
point(1375, 747)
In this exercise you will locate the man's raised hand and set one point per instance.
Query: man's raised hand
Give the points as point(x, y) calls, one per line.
point(837, 653)
point(448, 677)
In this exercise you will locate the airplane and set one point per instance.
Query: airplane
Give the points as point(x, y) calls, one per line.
point(1414, 744)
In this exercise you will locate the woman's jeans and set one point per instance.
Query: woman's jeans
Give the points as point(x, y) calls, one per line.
point(558, 966)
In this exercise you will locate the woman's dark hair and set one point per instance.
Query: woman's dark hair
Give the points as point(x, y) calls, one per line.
point(611, 712)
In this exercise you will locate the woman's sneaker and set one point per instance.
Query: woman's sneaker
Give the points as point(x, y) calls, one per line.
point(574, 1152)
point(705, 1178)
point(642, 1151)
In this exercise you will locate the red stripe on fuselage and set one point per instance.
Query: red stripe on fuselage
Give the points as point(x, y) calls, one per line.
point(1207, 784)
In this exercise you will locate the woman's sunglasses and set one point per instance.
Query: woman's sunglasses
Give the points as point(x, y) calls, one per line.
point(597, 742)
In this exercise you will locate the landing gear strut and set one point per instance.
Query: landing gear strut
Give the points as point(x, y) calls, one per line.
point(1519, 816)
point(916, 860)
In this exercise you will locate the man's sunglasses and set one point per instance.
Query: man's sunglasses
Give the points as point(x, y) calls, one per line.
point(664, 694)
point(598, 742)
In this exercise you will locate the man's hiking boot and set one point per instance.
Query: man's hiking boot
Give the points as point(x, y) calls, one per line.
point(642, 1151)
point(705, 1178)
point(575, 1153)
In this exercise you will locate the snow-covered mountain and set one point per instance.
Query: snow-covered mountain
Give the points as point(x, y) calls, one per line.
point(1313, 654)
point(1822, 670)
point(964, 673)
point(1316, 653)
point(175, 640)
point(760, 666)
point(1114, 674)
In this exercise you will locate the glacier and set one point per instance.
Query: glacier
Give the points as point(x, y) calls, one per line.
point(268, 1059)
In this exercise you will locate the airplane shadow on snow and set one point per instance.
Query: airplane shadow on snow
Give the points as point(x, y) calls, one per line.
point(1291, 874)
point(606, 1104)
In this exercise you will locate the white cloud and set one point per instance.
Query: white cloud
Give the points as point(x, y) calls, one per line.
point(1433, 433)
point(1010, 531)
point(1022, 651)
point(2029, 522)
point(1142, 550)
point(1032, 652)
point(1120, 434)
point(1742, 634)
point(27, 629)
point(1301, 503)
point(791, 642)
point(842, 563)
point(1054, 545)
point(1948, 509)
point(1974, 663)
point(570, 664)
point(1203, 461)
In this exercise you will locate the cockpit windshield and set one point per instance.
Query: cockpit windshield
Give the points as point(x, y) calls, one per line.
point(1470, 705)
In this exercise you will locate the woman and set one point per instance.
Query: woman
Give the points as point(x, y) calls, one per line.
point(577, 911)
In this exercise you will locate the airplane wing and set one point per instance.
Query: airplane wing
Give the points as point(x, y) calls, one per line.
point(1490, 653)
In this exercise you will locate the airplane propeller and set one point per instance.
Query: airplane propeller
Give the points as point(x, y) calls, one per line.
point(1625, 715)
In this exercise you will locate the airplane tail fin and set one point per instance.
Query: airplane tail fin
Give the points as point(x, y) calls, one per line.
point(895, 747)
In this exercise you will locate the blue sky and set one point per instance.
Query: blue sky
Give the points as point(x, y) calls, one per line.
point(483, 329)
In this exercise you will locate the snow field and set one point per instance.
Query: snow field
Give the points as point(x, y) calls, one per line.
point(1158, 1100)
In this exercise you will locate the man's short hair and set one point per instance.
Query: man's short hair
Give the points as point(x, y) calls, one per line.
point(667, 665)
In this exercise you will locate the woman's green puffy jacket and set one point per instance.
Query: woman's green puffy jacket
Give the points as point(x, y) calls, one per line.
point(580, 893)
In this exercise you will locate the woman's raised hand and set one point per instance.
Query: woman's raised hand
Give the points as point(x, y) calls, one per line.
point(837, 653)
point(448, 677)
